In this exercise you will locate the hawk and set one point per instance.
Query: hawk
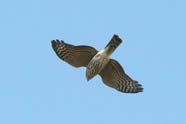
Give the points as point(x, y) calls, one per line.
point(98, 62)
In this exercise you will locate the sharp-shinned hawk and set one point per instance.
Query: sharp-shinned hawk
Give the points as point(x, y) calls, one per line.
point(98, 62)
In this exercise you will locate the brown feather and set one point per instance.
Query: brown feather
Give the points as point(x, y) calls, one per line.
point(114, 76)
point(76, 56)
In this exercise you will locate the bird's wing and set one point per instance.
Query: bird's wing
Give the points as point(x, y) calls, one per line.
point(114, 76)
point(76, 56)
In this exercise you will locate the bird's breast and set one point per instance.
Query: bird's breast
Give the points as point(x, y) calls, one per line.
point(95, 66)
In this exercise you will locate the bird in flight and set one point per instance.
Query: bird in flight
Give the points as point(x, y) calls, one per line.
point(98, 62)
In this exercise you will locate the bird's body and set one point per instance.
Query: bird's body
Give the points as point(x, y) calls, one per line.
point(101, 59)
point(97, 63)
point(100, 63)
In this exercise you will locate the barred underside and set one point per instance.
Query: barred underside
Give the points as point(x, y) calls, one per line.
point(95, 66)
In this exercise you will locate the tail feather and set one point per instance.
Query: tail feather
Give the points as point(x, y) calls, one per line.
point(114, 43)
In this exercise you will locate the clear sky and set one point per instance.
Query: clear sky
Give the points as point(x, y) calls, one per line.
point(36, 87)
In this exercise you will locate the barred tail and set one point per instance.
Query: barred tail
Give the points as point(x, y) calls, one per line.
point(113, 44)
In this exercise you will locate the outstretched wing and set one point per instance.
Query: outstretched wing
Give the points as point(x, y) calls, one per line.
point(76, 56)
point(114, 76)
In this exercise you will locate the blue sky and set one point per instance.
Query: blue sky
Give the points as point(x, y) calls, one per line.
point(36, 87)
